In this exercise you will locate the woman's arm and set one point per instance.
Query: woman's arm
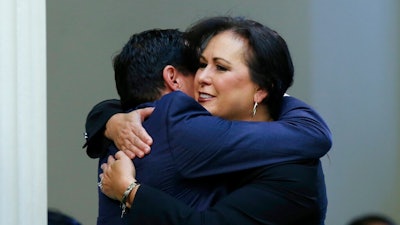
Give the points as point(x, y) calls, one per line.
point(203, 145)
point(291, 193)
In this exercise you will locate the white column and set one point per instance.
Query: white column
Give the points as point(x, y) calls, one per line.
point(23, 158)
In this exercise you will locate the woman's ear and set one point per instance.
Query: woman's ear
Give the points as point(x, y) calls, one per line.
point(260, 95)
point(170, 78)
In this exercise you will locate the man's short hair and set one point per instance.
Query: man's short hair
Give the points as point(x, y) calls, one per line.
point(139, 66)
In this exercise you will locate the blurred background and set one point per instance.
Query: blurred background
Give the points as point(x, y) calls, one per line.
point(346, 56)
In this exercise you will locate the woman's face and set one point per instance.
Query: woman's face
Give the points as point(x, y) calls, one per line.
point(222, 83)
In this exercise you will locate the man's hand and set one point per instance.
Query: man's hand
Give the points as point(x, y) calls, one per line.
point(128, 134)
point(117, 175)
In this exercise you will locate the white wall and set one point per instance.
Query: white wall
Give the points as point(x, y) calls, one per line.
point(355, 83)
point(336, 76)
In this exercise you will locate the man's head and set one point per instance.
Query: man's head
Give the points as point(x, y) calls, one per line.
point(151, 64)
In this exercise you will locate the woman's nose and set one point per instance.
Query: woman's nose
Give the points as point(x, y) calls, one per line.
point(203, 76)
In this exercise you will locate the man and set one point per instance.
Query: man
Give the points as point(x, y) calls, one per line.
point(151, 64)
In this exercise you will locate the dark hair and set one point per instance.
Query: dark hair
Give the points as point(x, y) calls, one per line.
point(139, 66)
point(267, 56)
point(371, 219)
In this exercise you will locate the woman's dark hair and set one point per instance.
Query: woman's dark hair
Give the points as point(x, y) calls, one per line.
point(267, 56)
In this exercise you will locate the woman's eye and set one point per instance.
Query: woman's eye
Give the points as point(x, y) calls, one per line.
point(221, 68)
point(202, 65)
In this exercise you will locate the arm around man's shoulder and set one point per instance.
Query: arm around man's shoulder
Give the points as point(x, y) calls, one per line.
point(205, 145)
point(306, 119)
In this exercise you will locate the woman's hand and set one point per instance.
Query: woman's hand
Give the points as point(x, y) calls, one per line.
point(128, 134)
point(117, 175)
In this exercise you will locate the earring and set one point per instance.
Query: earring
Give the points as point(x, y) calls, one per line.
point(255, 108)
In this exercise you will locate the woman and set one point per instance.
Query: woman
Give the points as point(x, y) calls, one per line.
point(244, 70)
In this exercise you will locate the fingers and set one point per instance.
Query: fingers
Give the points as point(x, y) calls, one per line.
point(100, 183)
point(138, 147)
point(128, 133)
point(104, 183)
point(120, 155)
point(142, 139)
point(141, 132)
point(145, 112)
point(125, 138)
point(103, 167)
point(110, 160)
point(130, 154)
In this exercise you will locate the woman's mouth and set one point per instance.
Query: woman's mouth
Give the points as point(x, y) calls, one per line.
point(204, 97)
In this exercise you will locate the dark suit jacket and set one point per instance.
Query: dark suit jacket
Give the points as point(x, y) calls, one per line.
point(283, 194)
point(196, 145)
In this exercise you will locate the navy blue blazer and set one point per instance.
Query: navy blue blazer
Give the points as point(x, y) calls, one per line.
point(291, 193)
point(199, 155)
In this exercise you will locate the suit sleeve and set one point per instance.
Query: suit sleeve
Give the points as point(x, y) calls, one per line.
point(290, 196)
point(96, 142)
point(154, 207)
point(203, 145)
